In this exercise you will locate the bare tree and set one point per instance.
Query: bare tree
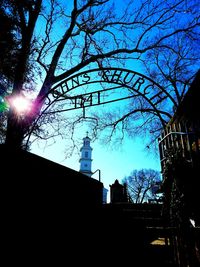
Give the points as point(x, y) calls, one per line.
point(141, 185)
point(64, 38)
point(174, 71)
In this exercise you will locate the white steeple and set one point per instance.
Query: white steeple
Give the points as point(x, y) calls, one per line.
point(86, 157)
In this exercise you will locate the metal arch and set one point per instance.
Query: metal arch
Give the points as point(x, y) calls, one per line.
point(116, 78)
point(137, 83)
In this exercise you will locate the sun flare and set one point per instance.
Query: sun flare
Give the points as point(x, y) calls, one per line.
point(21, 104)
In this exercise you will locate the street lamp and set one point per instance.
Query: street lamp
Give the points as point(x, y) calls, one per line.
point(99, 171)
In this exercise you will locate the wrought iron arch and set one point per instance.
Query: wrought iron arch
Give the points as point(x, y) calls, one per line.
point(137, 83)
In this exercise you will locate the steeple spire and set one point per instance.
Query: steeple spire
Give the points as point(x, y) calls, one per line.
point(86, 157)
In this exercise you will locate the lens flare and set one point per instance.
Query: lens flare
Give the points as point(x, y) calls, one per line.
point(21, 104)
point(3, 105)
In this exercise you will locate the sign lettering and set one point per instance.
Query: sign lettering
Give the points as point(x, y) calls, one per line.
point(137, 84)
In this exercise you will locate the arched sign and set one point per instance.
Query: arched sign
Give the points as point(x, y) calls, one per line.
point(136, 83)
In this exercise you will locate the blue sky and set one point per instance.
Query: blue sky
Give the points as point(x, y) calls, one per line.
point(114, 163)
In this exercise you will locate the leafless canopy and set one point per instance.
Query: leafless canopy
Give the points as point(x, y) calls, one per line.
point(61, 38)
point(142, 185)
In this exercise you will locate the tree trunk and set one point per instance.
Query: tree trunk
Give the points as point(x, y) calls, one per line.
point(15, 131)
point(17, 125)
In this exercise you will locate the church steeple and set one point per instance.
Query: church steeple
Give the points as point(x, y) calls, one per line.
point(86, 157)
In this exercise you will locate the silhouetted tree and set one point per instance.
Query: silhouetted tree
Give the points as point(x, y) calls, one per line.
point(61, 38)
point(142, 185)
point(8, 44)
